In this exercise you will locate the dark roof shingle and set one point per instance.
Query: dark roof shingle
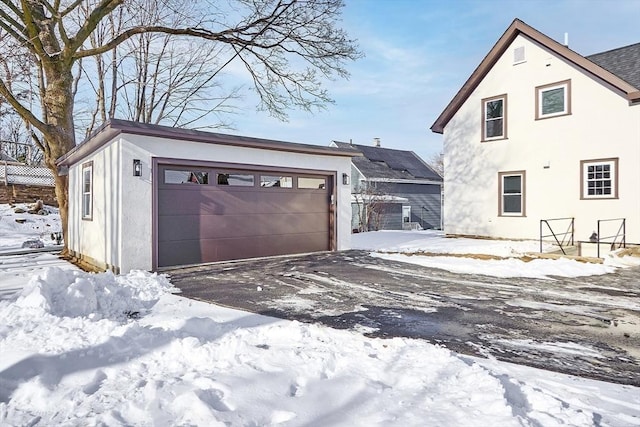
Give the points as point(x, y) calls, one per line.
point(387, 163)
point(624, 62)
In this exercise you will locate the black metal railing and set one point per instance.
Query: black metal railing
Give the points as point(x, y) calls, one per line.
point(566, 236)
point(620, 238)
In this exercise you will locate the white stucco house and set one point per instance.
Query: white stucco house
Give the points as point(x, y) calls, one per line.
point(147, 197)
point(540, 132)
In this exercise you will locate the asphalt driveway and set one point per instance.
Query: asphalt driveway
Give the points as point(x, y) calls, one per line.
point(585, 326)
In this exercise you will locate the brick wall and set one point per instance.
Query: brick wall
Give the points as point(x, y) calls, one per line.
point(18, 193)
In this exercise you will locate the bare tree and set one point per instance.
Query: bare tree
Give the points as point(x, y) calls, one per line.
point(371, 205)
point(156, 78)
point(436, 162)
point(287, 47)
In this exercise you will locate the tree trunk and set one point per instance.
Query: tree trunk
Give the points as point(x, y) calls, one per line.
point(60, 137)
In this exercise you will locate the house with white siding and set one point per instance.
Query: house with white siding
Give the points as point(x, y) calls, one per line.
point(542, 141)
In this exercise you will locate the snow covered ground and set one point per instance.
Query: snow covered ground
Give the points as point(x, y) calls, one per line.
point(430, 248)
point(27, 227)
point(99, 349)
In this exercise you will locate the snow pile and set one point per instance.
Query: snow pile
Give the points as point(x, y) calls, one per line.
point(512, 267)
point(414, 246)
point(74, 294)
point(191, 363)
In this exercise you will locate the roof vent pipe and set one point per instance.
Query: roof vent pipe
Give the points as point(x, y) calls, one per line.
point(566, 39)
point(376, 142)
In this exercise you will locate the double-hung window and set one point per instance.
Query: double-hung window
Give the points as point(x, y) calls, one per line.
point(553, 100)
point(511, 193)
point(87, 191)
point(494, 118)
point(599, 178)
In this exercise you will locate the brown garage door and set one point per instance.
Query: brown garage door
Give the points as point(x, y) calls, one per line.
point(211, 214)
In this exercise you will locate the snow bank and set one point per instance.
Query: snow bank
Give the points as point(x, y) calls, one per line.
point(413, 246)
point(512, 267)
point(73, 293)
point(432, 241)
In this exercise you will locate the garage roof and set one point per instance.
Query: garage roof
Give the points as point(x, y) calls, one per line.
point(115, 127)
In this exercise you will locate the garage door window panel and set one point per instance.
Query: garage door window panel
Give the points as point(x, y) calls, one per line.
point(274, 181)
point(312, 183)
point(236, 179)
point(174, 176)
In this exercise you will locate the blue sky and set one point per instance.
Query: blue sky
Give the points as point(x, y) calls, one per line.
point(420, 52)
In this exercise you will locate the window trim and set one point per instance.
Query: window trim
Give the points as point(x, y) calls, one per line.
point(567, 99)
point(88, 166)
point(484, 102)
point(615, 179)
point(523, 194)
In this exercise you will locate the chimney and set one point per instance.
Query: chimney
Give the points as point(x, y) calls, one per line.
point(376, 142)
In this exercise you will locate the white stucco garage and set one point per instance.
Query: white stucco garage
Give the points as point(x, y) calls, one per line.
point(146, 197)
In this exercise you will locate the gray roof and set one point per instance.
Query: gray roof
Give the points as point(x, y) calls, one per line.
point(624, 62)
point(387, 163)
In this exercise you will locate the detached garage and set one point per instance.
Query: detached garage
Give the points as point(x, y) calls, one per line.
point(148, 197)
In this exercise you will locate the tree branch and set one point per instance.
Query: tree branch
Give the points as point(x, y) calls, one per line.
point(21, 109)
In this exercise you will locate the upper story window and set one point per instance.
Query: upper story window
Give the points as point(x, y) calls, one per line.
point(511, 193)
point(599, 178)
point(494, 118)
point(87, 191)
point(553, 100)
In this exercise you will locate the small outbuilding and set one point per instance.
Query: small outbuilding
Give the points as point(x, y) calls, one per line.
point(147, 197)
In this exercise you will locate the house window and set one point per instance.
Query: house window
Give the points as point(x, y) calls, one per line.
point(494, 118)
point(553, 100)
point(599, 178)
point(511, 193)
point(87, 191)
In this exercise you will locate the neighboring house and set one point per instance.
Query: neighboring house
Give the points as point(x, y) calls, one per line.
point(147, 197)
point(398, 185)
point(540, 132)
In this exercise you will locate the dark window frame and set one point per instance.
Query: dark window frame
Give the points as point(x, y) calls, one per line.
point(523, 194)
point(485, 101)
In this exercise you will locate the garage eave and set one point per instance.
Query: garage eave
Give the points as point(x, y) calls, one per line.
point(114, 127)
